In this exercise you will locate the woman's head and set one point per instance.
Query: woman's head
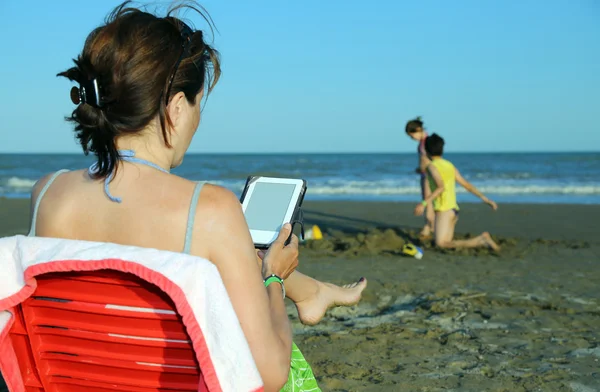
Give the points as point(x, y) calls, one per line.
point(140, 75)
point(414, 129)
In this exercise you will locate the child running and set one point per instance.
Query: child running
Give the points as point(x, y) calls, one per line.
point(414, 129)
point(442, 177)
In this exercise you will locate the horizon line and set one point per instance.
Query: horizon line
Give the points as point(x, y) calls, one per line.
point(334, 152)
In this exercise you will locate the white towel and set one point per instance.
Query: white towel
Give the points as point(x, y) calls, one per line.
point(192, 283)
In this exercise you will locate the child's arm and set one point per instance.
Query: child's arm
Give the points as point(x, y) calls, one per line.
point(439, 188)
point(471, 188)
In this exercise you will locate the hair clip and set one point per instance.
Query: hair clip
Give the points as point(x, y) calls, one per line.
point(88, 92)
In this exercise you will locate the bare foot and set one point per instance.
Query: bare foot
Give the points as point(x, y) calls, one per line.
point(426, 233)
point(423, 237)
point(487, 238)
point(312, 309)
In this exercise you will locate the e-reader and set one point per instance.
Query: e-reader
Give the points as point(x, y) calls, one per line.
point(268, 203)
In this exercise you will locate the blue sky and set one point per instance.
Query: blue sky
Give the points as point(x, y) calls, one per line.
point(342, 76)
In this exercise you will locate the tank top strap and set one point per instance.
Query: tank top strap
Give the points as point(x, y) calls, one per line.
point(192, 217)
point(39, 200)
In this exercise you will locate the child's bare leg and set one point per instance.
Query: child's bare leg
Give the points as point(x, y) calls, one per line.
point(428, 228)
point(313, 297)
point(430, 217)
point(445, 221)
point(484, 240)
point(444, 234)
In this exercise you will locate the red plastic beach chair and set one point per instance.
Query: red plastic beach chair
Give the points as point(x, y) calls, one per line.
point(102, 331)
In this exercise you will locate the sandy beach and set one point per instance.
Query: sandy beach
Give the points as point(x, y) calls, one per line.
point(527, 319)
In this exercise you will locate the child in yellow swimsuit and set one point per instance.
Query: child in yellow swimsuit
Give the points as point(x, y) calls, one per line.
point(442, 177)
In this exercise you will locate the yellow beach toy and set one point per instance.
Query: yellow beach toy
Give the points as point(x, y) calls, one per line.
point(314, 233)
point(412, 250)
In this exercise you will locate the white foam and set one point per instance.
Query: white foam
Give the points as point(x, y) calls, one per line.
point(406, 186)
point(20, 183)
point(542, 189)
point(364, 190)
point(376, 188)
point(383, 187)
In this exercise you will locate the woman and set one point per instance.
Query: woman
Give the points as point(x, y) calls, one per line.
point(415, 130)
point(141, 80)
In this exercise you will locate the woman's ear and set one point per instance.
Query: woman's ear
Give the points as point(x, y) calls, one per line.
point(176, 108)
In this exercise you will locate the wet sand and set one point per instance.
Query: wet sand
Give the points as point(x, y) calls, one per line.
point(527, 319)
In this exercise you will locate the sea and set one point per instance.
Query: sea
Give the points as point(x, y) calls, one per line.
point(572, 178)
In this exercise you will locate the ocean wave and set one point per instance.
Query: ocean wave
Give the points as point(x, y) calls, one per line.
point(542, 189)
point(386, 189)
point(341, 187)
point(19, 183)
point(507, 176)
point(20, 187)
point(490, 189)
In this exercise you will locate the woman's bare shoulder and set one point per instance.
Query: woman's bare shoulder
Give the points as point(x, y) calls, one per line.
point(220, 210)
point(42, 182)
point(218, 219)
point(219, 200)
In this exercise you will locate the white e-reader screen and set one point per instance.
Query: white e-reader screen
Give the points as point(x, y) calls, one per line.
point(268, 205)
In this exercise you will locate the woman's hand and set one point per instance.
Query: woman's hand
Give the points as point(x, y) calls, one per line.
point(281, 259)
point(419, 209)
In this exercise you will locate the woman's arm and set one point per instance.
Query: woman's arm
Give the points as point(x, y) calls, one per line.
point(424, 162)
point(261, 311)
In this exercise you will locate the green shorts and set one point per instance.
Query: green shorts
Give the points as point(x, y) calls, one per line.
point(301, 377)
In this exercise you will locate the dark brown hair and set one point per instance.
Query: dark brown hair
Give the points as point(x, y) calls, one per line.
point(434, 145)
point(415, 125)
point(139, 61)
